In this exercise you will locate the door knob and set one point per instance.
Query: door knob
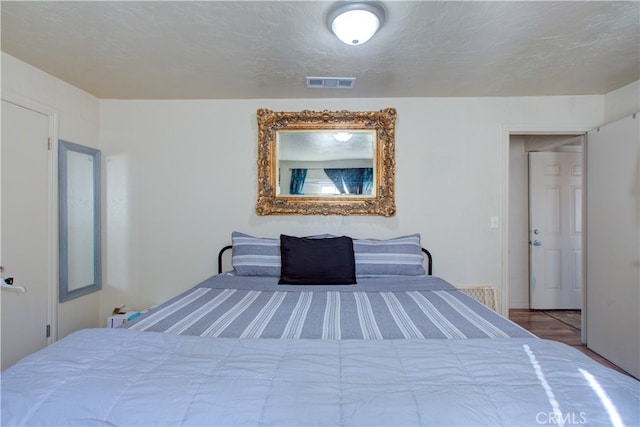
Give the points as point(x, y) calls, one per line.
point(8, 284)
point(537, 243)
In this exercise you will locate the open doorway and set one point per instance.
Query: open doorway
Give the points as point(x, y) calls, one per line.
point(522, 234)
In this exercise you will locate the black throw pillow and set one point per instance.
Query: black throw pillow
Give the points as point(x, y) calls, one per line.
point(307, 261)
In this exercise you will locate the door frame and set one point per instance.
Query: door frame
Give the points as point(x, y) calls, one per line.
point(507, 131)
point(52, 215)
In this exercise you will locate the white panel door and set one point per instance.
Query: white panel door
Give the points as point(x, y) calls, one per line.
point(613, 243)
point(25, 230)
point(555, 230)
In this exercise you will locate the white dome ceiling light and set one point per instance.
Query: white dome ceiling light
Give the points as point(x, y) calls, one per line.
point(342, 136)
point(355, 22)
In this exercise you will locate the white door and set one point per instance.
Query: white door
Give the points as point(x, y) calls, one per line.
point(25, 232)
point(555, 230)
point(613, 243)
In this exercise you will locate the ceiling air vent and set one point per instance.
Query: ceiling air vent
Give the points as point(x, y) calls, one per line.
point(331, 82)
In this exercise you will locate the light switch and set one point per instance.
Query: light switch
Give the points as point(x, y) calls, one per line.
point(495, 222)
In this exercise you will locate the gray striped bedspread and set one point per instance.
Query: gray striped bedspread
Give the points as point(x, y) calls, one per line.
point(376, 308)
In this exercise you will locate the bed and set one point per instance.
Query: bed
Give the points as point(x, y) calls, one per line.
point(250, 346)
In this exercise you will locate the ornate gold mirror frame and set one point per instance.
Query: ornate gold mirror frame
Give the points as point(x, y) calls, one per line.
point(380, 201)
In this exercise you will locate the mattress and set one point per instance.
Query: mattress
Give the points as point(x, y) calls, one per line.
point(400, 307)
point(127, 377)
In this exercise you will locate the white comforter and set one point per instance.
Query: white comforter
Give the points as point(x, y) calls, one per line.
point(124, 377)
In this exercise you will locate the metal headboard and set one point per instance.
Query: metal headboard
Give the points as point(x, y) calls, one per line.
point(426, 252)
point(223, 250)
point(429, 261)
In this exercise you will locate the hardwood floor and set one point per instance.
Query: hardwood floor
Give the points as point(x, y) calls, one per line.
point(545, 326)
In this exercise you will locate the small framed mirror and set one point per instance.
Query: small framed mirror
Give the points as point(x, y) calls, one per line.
point(80, 268)
point(326, 162)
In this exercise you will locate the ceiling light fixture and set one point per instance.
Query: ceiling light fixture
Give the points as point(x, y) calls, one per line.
point(342, 136)
point(355, 22)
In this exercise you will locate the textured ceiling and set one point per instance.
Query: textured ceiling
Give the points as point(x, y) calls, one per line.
point(265, 49)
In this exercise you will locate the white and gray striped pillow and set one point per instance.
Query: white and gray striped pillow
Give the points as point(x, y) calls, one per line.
point(401, 256)
point(255, 256)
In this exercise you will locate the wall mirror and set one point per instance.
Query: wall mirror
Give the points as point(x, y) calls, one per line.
point(80, 270)
point(326, 162)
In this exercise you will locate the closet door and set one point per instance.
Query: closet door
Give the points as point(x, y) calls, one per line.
point(613, 243)
point(25, 231)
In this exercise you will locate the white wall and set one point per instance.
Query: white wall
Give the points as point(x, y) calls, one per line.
point(166, 216)
point(169, 165)
point(78, 121)
point(181, 175)
point(622, 102)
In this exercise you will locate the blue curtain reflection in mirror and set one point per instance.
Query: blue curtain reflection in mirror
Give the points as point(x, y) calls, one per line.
point(79, 220)
point(352, 180)
point(298, 177)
